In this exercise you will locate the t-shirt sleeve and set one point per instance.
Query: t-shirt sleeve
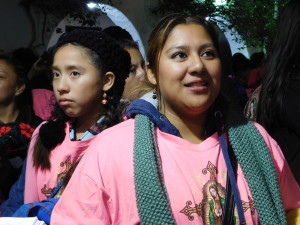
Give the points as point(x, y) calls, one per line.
point(30, 191)
point(289, 188)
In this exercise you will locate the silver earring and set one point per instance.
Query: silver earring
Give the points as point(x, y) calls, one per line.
point(154, 94)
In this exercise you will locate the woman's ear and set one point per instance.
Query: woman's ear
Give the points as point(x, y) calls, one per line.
point(150, 75)
point(108, 81)
point(19, 89)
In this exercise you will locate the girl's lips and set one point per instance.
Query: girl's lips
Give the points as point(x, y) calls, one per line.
point(64, 102)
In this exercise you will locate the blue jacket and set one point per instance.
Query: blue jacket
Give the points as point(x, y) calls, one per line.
point(16, 196)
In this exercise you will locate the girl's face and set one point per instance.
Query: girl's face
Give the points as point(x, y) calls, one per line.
point(189, 71)
point(77, 83)
point(8, 84)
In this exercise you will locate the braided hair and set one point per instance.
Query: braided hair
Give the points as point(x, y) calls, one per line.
point(107, 56)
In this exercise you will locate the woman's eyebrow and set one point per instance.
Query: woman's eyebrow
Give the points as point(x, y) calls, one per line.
point(183, 47)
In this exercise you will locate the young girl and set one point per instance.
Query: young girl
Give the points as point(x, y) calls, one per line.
point(89, 71)
point(192, 160)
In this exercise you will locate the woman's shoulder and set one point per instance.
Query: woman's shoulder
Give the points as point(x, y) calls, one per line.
point(112, 146)
point(119, 130)
point(267, 137)
point(115, 137)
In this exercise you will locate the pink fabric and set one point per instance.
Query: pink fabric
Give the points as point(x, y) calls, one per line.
point(43, 101)
point(101, 190)
point(38, 183)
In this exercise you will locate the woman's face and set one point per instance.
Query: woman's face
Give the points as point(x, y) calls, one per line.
point(137, 71)
point(8, 83)
point(189, 71)
point(76, 82)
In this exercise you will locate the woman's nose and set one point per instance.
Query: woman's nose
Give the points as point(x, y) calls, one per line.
point(196, 65)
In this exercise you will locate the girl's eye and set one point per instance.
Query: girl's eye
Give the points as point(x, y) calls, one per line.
point(55, 74)
point(75, 73)
point(179, 55)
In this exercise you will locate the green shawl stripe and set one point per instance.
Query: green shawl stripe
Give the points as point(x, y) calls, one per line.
point(254, 157)
point(151, 194)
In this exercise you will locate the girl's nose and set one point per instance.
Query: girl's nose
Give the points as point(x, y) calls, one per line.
point(61, 84)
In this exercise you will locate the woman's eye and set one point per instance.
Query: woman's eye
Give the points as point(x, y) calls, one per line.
point(179, 55)
point(132, 70)
point(209, 54)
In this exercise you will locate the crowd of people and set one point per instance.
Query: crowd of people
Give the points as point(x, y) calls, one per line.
point(93, 133)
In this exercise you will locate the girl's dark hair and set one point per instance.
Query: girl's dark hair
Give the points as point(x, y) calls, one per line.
point(107, 56)
point(281, 64)
point(121, 36)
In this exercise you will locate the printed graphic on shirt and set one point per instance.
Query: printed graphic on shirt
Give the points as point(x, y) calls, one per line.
point(66, 165)
point(249, 205)
point(210, 208)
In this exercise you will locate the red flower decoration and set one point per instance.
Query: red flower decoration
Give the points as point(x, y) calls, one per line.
point(26, 129)
point(4, 130)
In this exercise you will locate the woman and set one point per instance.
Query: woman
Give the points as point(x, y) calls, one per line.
point(157, 167)
point(17, 120)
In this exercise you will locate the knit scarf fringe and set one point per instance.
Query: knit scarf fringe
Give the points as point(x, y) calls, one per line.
point(252, 154)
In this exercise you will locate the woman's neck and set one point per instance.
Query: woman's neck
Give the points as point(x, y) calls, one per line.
point(8, 113)
point(191, 127)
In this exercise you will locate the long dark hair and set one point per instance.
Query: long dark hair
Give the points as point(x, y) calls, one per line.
point(282, 63)
point(107, 56)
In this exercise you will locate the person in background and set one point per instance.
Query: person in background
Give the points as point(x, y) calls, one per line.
point(42, 90)
point(158, 166)
point(230, 88)
point(17, 120)
point(42, 103)
point(137, 71)
point(278, 107)
point(241, 67)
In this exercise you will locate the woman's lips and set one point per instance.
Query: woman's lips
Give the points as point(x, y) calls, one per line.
point(197, 86)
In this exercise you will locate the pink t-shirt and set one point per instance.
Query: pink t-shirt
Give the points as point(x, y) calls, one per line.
point(38, 183)
point(102, 189)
